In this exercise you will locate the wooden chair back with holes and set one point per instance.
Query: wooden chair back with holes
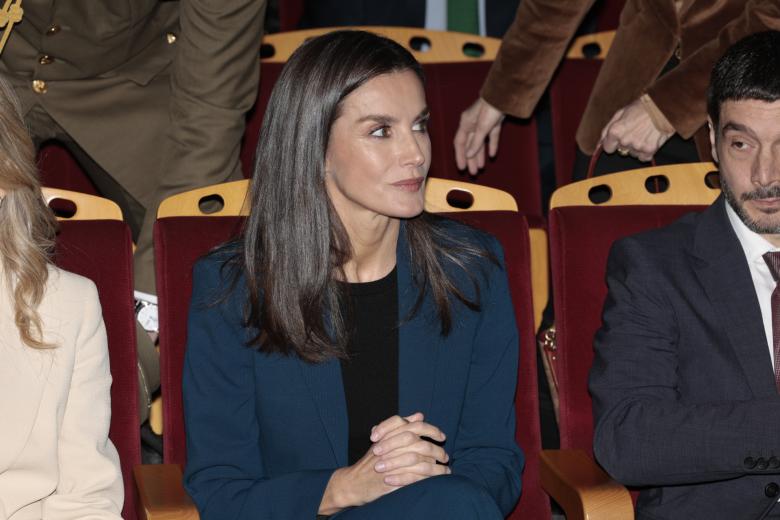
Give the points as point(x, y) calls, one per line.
point(183, 233)
point(688, 183)
point(87, 207)
point(569, 93)
point(426, 45)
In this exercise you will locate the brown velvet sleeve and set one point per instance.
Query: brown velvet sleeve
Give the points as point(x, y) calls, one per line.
point(681, 93)
point(530, 52)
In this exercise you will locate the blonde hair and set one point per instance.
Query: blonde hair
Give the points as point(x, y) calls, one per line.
point(27, 226)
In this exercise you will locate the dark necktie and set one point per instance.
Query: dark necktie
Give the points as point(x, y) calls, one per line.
point(772, 260)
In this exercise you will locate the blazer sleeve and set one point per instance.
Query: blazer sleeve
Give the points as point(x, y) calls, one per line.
point(214, 81)
point(531, 50)
point(225, 475)
point(645, 435)
point(485, 450)
point(90, 479)
point(681, 94)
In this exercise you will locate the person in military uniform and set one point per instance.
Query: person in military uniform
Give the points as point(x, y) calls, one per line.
point(149, 95)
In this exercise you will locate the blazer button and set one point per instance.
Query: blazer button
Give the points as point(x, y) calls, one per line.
point(45, 60)
point(762, 463)
point(170, 38)
point(771, 490)
point(39, 87)
point(750, 463)
point(774, 463)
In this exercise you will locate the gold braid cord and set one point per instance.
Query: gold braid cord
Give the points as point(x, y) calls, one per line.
point(12, 13)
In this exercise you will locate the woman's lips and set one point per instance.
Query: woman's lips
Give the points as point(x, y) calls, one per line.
point(409, 184)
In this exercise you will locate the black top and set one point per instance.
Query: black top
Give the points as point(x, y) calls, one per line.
point(370, 375)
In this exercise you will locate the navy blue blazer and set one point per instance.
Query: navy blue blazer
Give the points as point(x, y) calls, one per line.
point(684, 395)
point(265, 432)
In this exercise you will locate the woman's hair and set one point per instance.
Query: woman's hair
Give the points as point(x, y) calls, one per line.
point(27, 226)
point(294, 242)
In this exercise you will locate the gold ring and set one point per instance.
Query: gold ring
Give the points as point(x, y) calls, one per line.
point(623, 152)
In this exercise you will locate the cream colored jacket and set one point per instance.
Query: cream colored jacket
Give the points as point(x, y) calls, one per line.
point(56, 461)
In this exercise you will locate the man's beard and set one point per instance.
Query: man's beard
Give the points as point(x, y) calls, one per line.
point(757, 194)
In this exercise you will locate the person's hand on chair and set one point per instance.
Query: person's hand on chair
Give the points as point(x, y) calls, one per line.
point(477, 122)
point(632, 131)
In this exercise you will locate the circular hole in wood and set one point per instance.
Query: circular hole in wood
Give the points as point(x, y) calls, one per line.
point(63, 208)
point(420, 43)
point(657, 183)
point(460, 199)
point(211, 204)
point(712, 180)
point(591, 50)
point(267, 50)
point(473, 50)
point(600, 194)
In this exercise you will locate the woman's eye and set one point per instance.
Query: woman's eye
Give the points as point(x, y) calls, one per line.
point(421, 126)
point(383, 131)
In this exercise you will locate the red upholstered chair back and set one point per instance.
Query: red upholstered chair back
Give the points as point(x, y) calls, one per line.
point(608, 14)
point(511, 229)
point(569, 94)
point(59, 169)
point(450, 88)
point(101, 250)
point(580, 240)
point(178, 243)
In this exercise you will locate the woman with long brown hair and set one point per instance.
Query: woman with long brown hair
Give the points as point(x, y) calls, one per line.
point(55, 457)
point(350, 355)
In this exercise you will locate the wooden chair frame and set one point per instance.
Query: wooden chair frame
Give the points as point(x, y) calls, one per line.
point(88, 207)
point(602, 39)
point(687, 185)
point(445, 46)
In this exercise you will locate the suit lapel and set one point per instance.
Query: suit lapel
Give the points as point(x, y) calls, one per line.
point(419, 340)
point(327, 390)
point(724, 273)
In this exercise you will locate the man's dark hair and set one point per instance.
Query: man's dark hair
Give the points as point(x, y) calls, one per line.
point(750, 69)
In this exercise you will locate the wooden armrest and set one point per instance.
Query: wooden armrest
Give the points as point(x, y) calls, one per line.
point(161, 495)
point(582, 488)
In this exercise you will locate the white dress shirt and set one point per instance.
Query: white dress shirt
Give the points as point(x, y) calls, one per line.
point(754, 246)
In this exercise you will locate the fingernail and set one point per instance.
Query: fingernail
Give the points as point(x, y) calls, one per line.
point(391, 481)
point(380, 466)
point(374, 436)
point(378, 450)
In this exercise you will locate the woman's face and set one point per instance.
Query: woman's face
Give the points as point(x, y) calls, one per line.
point(379, 150)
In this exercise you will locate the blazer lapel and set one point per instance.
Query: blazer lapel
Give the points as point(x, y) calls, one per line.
point(327, 391)
point(419, 340)
point(724, 273)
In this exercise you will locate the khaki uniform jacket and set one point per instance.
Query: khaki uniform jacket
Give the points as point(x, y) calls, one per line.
point(155, 91)
point(650, 32)
point(56, 461)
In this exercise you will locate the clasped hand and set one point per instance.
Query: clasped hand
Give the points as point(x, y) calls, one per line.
point(401, 454)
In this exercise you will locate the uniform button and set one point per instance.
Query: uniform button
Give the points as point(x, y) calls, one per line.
point(171, 38)
point(678, 53)
point(774, 463)
point(45, 59)
point(771, 490)
point(762, 463)
point(750, 462)
point(52, 30)
point(39, 86)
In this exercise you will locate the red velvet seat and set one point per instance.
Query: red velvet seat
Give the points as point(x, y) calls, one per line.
point(580, 240)
point(569, 94)
point(180, 241)
point(101, 250)
point(59, 169)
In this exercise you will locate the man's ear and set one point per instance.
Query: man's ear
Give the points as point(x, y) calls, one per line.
point(713, 139)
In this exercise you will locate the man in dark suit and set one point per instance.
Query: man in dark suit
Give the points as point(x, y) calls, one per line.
point(685, 379)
